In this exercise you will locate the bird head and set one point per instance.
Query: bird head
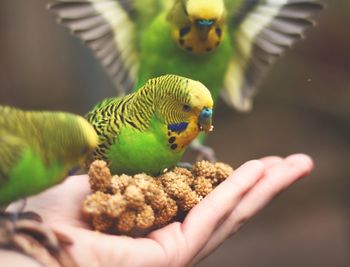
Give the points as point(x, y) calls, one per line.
point(204, 15)
point(198, 26)
point(200, 105)
point(184, 104)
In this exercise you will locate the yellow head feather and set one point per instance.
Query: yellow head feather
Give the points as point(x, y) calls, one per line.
point(199, 95)
point(189, 24)
point(205, 9)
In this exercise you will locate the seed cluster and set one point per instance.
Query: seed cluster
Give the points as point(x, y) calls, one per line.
point(123, 204)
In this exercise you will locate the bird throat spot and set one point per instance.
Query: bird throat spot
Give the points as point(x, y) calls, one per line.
point(188, 39)
point(171, 141)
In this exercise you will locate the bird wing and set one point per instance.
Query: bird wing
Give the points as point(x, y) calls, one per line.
point(260, 32)
point(11, 151)
point(109, 28)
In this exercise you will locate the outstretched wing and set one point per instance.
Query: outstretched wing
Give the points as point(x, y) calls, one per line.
point(109, 28)
point(11, 151)
point(261, 31)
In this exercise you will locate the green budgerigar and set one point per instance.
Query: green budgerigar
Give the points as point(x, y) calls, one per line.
point(228, 45)
point(39, 149)
point(149, 130)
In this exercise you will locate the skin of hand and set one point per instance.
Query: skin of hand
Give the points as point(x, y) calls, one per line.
point(218, 216)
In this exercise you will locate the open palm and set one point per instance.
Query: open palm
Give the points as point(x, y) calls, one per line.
point(207, 225)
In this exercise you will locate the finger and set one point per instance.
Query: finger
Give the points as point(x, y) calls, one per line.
point(207, 215)
point(276, 179)
point(271, 161)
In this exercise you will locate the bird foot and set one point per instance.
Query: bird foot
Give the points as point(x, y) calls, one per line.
point(185, 165)
point(203, 152)
point(28, 235)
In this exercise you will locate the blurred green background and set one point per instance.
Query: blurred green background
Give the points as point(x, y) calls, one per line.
point(303, 106)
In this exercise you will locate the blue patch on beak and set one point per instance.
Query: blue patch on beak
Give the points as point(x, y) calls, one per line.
point(205, 119)
point(205, 114)
point(204, 22)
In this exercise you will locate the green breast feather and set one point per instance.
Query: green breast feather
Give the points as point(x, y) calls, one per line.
point(148, 151)
point(29, 176)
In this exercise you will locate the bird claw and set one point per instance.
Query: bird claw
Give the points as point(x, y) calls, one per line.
point(30, 215)
point(204, 152)
point(185, 165)
point(28, 235)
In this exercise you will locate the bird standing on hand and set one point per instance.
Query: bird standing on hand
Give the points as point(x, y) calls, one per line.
point(150, 129)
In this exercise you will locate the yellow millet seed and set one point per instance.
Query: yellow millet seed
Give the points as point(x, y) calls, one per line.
point(134, 196)
point(204, 168)
point(168, 178)
point(177, 190)
point(120, 182)
point(126, 221)
point(145, 217)
point(202, 186)
point(99, 176)
point(174, 185)
point(222, 171)
point(186, 174)
point(165, 215)
point(116, 204)
point(102, 223)
point(188, 201)
point(143, 181)
point(95, 203)
point(156, 198)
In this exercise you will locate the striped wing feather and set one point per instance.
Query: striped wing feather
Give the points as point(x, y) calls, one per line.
point(262, 30)
point(107, 28)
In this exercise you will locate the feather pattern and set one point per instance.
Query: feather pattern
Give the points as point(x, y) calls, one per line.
point(39, 130)
point(96, 23)
point(250, 34)
point(261, 32)
point(11, 149)
point(149, 130)
point(136, 110)
point(37, 149)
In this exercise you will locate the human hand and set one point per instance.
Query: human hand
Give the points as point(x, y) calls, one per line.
point(218, 216)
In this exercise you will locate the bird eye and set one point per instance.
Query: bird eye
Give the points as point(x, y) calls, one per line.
point(186, 108)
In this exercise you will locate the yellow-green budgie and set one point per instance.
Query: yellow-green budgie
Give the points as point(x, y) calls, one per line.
point(39, 149)
point(228, 45)
point(149, 130)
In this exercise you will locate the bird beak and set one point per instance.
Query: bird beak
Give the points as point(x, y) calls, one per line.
point(205, 120)
point(204, 26)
